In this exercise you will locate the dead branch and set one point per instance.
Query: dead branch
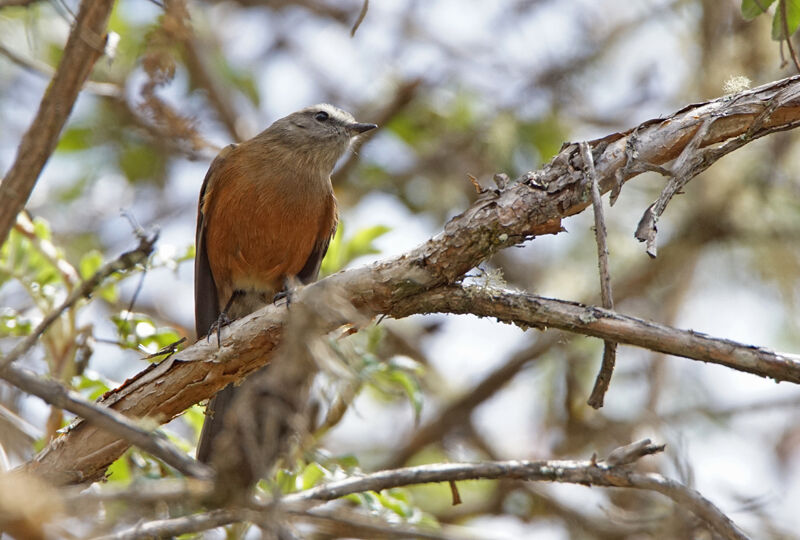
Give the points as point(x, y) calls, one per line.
point(613, 472)
point(528, 310)
point(603, 379)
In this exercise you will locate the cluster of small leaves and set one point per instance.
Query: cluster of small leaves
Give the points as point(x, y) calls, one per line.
point(14, 324)
point(753, 8)
point(393, 505)
point(29, 257)
point(388, 379)
point(35, 269)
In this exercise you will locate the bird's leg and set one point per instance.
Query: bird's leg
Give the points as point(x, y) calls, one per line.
point(289, 283)
point(223, 320)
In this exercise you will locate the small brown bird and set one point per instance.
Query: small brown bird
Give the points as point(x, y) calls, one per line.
point(266, 214)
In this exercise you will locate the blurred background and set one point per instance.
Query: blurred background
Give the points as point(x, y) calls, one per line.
point(459, 88)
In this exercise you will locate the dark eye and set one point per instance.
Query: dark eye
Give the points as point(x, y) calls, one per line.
point(321, 116)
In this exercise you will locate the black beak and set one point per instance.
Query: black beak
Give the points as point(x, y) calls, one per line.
point(361, 128)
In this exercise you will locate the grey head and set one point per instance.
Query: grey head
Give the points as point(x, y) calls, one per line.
point(317, 135)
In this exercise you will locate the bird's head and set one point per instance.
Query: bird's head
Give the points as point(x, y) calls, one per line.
point(321, 133)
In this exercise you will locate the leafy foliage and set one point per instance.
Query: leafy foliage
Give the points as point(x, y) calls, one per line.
point(786, 16)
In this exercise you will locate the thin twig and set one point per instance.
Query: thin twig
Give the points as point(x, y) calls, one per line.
point(787, 35)
point(166, 528)
point(454, 414)
point(567, 471)
point(347, 523)
point(603, 379)
point(126, 261)
point(218, 96)
point(689, 164)
point(163, 490)
point(360, 19)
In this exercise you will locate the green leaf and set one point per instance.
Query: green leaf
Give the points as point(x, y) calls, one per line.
point(753, 8)
point(109, 293)
point(312, 474)
point(120, 470)
point(20, 258)
point(140, 162)
point(286, 481)
point(332, 262)
point(75, 139)
point(395, 504)
point(13, 324)
point(361, 243)
point(41, 228)
point(195, 416)
point(412, 389)
point(92, 386)
point(792, 17)
point(348, 462)
point(341, 251)
point(90, 263)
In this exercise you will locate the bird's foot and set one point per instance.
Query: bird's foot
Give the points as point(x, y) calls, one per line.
point(286, 295)
point(216, 328)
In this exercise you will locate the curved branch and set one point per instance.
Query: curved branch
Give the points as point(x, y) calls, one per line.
point(85, 45)
point(532, 206)
point(613, 472)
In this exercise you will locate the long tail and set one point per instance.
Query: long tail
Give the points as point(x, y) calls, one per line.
point(216, 410)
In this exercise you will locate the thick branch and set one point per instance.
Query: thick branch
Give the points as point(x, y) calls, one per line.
point(85, 45)
point(503, 218)
point(528, 310)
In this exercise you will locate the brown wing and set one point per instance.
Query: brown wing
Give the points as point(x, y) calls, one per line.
point(206, 312)
point(310, 270)
point(206, 300)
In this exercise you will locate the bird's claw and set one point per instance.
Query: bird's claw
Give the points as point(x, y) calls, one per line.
point(285, 294)
point(216, 328)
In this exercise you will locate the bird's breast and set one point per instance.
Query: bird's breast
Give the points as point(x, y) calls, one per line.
point(261, 231)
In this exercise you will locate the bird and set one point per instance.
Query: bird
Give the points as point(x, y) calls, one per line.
point(266, 214)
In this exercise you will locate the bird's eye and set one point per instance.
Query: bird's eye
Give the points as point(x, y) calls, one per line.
point(321, 116)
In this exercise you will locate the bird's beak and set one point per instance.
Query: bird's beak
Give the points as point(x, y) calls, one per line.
point(360, 128)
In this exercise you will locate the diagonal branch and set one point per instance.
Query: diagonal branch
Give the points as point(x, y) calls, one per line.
point(115, 424)
point(85, 45)
point(532, 206)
